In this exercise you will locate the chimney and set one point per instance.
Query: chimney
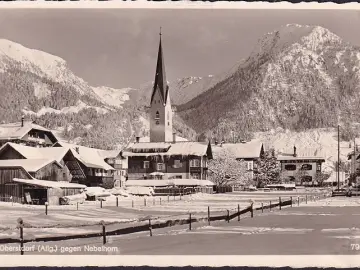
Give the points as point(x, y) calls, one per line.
point(137, 139)
point(77, 150)
point(174, 137)
point(22, 121)
point(295, 151)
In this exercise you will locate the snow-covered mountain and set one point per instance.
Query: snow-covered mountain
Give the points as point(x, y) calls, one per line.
point(54, 68)
point(297, 77)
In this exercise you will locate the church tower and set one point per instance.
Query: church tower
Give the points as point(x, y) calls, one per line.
point(161, 126)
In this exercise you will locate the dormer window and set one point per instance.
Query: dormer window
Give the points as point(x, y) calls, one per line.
point(157, 115)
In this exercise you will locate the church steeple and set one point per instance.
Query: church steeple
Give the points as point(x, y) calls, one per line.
point(160, 82)
point(161, 126)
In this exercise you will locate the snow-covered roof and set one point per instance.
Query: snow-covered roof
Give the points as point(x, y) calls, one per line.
point(30, 165)
point(169, 182)
point(168, 149)
point(49, 153)
point(48, 184)
point(177, 138)
point(289, 157)
point(90, 157)
point(246, 150)
point(16, 131)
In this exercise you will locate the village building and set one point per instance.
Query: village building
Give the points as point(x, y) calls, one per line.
point(26, 133)
point(59, 164)
point(92, 162)
point(37, 175)
point(300, 169)
point(164, 161)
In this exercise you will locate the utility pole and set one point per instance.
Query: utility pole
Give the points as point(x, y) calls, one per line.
point(338, 164)
point(354, 157)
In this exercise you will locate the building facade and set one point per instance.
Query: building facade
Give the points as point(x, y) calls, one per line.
point(301, 170)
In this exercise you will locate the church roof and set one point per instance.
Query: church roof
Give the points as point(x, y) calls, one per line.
point(160, 82)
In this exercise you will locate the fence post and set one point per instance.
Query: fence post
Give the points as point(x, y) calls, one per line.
point(46, 208)
point(174, 195)
point(298, 201)
point(280, 203)
point(252, 210)
point(180, 195)
point(190, 221)
point(150, 228)
point(144, 201)
point(100, 203)
point(228, 216)
point(12, 200)
point(153, 201)
point(132, 203)
point(270, 206)
point(262, 207)
point(238, 212)
point(103, 231)
point(21, 227)
point(117, 201)
point(77, 206)
point(291, 201)
point(168, 197)
point(209, 215)
point(160, 201)
point(306, 199)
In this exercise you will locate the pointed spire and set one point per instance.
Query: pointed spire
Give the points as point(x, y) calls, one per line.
point(160, 76)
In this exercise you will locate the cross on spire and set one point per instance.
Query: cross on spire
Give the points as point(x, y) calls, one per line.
point(160, 31)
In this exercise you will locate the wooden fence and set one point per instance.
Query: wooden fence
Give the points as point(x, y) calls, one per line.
point(148, 225)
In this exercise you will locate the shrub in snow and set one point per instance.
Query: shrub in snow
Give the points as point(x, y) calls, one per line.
point(119, 192)
point(94, 193)
point(73, 199)
point(141, 191)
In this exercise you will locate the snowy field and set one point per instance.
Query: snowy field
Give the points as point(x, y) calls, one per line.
point(329, 226)
point(85, 218)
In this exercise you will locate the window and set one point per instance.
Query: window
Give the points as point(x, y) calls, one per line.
point(160, 166)
point(290, 167)
point(307, 178)
point(178, 177)
point(195, 176)
point(250, 165)
point(318, 167)
point(194, 163)
point(157, 122)
point(157, 115)
point(306, 167)
point(177, 163)
point(146, 164)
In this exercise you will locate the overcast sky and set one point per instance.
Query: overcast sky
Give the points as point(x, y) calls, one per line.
point(118, 47)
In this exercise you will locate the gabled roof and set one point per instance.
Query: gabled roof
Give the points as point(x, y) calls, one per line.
point(249, 150)
point(16, 131)
point(49, 184)
point(90, 157)
point(281, 158)
point(28, 152)
point(169, 149)
point(30, 165)
point(160, 82)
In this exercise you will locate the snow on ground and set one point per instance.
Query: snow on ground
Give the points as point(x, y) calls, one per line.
point(71, 109)
point(130, 209)
point(111, 96)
